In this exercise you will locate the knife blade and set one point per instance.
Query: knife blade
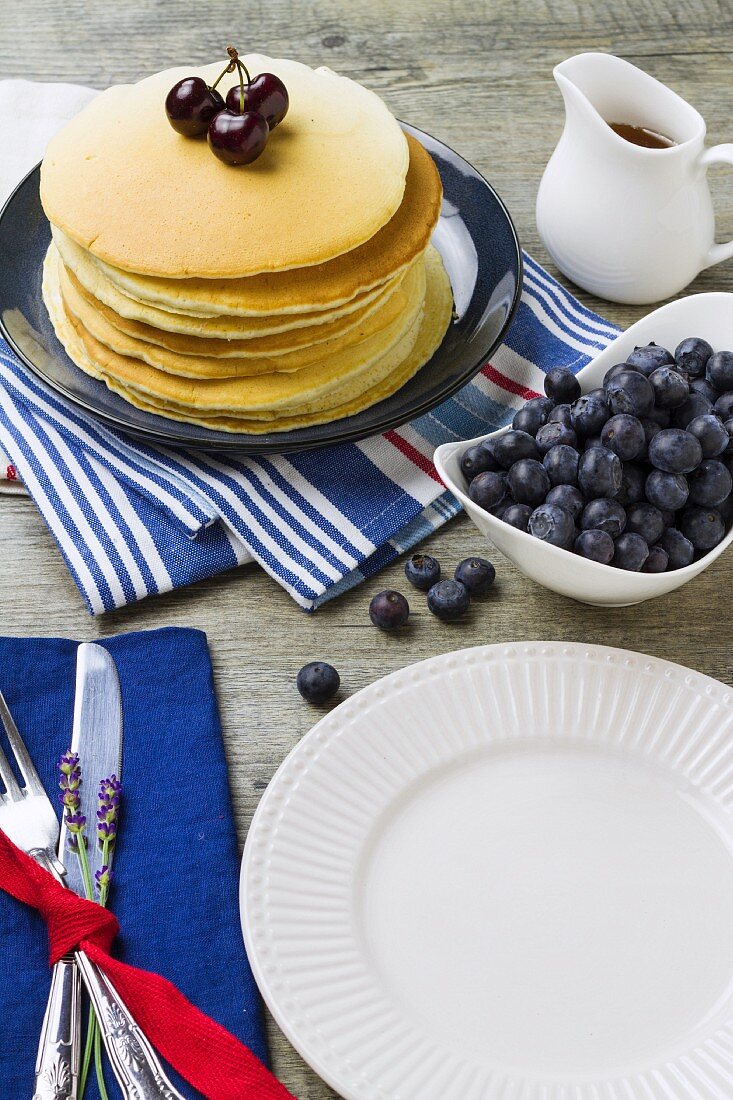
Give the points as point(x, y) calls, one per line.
point(97, 738)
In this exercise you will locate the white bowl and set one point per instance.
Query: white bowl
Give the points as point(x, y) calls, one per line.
point(707, 315)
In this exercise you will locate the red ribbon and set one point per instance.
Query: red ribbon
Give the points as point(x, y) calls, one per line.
point(202, 1051)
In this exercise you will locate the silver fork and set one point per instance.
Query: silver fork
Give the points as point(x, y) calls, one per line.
point(29, 819)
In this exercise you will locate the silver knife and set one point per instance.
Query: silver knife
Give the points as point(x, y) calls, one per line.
point(97, 738)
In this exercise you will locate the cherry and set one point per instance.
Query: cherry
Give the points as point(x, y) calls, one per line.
point(237, 139)
point(191, 105)
point(266, 94)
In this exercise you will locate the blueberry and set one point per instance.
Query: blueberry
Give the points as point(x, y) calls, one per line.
point(694, 405)
point(561, 463)
point(679, 549)
point(599, 472)
point(487, 489)
point(513, 445)
point(603, 515)
point(713, 437)
point(389, 610)
point(422, 571)
point(517, 515)
point(657, 561)
point(723, 407)
point(561, 414)
point(667, 490)
point(595, 545)
point(630, 551)
point(630, 392)
point(477, 460)
point(719, 371)
point(477, 574)
point(692, 356)
point(318, 682)
point(624, 435)
point(670, 389)
point(728, 425)
point(589, 413)
point(554, 524)
point(528, 482)
point(592, 441)
point(669, 516)
point(555, 434)
point(661, 417)
point(632, 484)
point(532, 415)
point(499, 509)
point(703, 387)
point(704, 527)
point(448, 600)
point(649, 358)
point(561, 385)
point(710, 483)
point(645, 520)
point(619, 368)
point(569, 498)
point(673, 450)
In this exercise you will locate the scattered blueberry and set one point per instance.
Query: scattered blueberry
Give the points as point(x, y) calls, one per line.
point(555, 434)
point(694, 405)
point(595, 545)
point(667, 490)
point(554, 524)
point(719, 370)
point(513, 445)
point(630, 551)
point(318, 682)
point(389, 610)
point(561, 414)
point(692, 356)
point(592, 441)
point(533, 415)
point(599, 472)
point(613, 371)
point(661, 417)
point(487, 489)
point(679, 549)
point(630, 392)
point(477, 574)
point(477, 460)
point(632, 484)
point(603, 515)
point(709, 430)
point(703, 387)
point(649, 358)
point(517, 515)
point(561, 385)
point(675, 451)
point(670, 388)
point(710, 483)
point(723, 407)
point(704, 527)
point(657, 561)
point(645, 520)
point(568, 497)
point(528, 481)
point(728, 425)
point(624, 435)
point(589, 413)
point(561, 463)
point(422, 571)
point(448, 599)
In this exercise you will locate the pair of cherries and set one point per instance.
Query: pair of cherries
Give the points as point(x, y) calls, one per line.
point(237, 128)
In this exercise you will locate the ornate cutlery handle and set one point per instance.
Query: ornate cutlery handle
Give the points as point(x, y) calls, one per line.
point(57, 1064)
point(135, 1063)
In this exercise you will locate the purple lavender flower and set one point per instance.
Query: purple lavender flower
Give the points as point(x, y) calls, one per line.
point(108, 813)
point(70, 783)
point(103, 879)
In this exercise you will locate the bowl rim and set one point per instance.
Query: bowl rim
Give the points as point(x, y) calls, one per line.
point(447, 451)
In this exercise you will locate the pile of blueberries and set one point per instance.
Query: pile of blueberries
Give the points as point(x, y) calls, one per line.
point(635, 474)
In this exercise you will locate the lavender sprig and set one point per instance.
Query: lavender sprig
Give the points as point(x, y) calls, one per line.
point(70, 798)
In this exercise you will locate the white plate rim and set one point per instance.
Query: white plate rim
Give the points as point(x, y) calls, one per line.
point(273, 806)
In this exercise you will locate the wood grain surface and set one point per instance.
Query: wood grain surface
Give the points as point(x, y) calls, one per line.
point(479, 76)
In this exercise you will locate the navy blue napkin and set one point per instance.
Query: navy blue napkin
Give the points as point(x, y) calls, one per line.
point(176, 865)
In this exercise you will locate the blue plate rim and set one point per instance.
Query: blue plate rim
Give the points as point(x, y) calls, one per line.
point(244, 444)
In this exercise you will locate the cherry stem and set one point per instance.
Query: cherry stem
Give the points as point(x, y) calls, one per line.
point(235, 64)
point(242, 68)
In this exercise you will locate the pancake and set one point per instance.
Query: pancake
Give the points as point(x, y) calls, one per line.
point(372, 383)
point(399, 306)
point(324, 286)
point(123, 184)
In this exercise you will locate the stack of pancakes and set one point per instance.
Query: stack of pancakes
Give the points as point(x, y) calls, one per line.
point(296, 290)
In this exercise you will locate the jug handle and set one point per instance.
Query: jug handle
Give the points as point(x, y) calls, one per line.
point(718, 154)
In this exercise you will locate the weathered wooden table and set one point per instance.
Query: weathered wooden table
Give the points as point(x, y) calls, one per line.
point(478, 74)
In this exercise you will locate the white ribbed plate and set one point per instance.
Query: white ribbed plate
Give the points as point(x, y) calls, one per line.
point(505, 874)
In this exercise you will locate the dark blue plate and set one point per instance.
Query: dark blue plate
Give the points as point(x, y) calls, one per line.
point(475, 237)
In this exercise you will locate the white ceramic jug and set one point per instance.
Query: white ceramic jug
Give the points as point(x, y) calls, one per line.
point(628, 223)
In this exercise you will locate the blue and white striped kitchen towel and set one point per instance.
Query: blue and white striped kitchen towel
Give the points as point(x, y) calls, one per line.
point(133, 520)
